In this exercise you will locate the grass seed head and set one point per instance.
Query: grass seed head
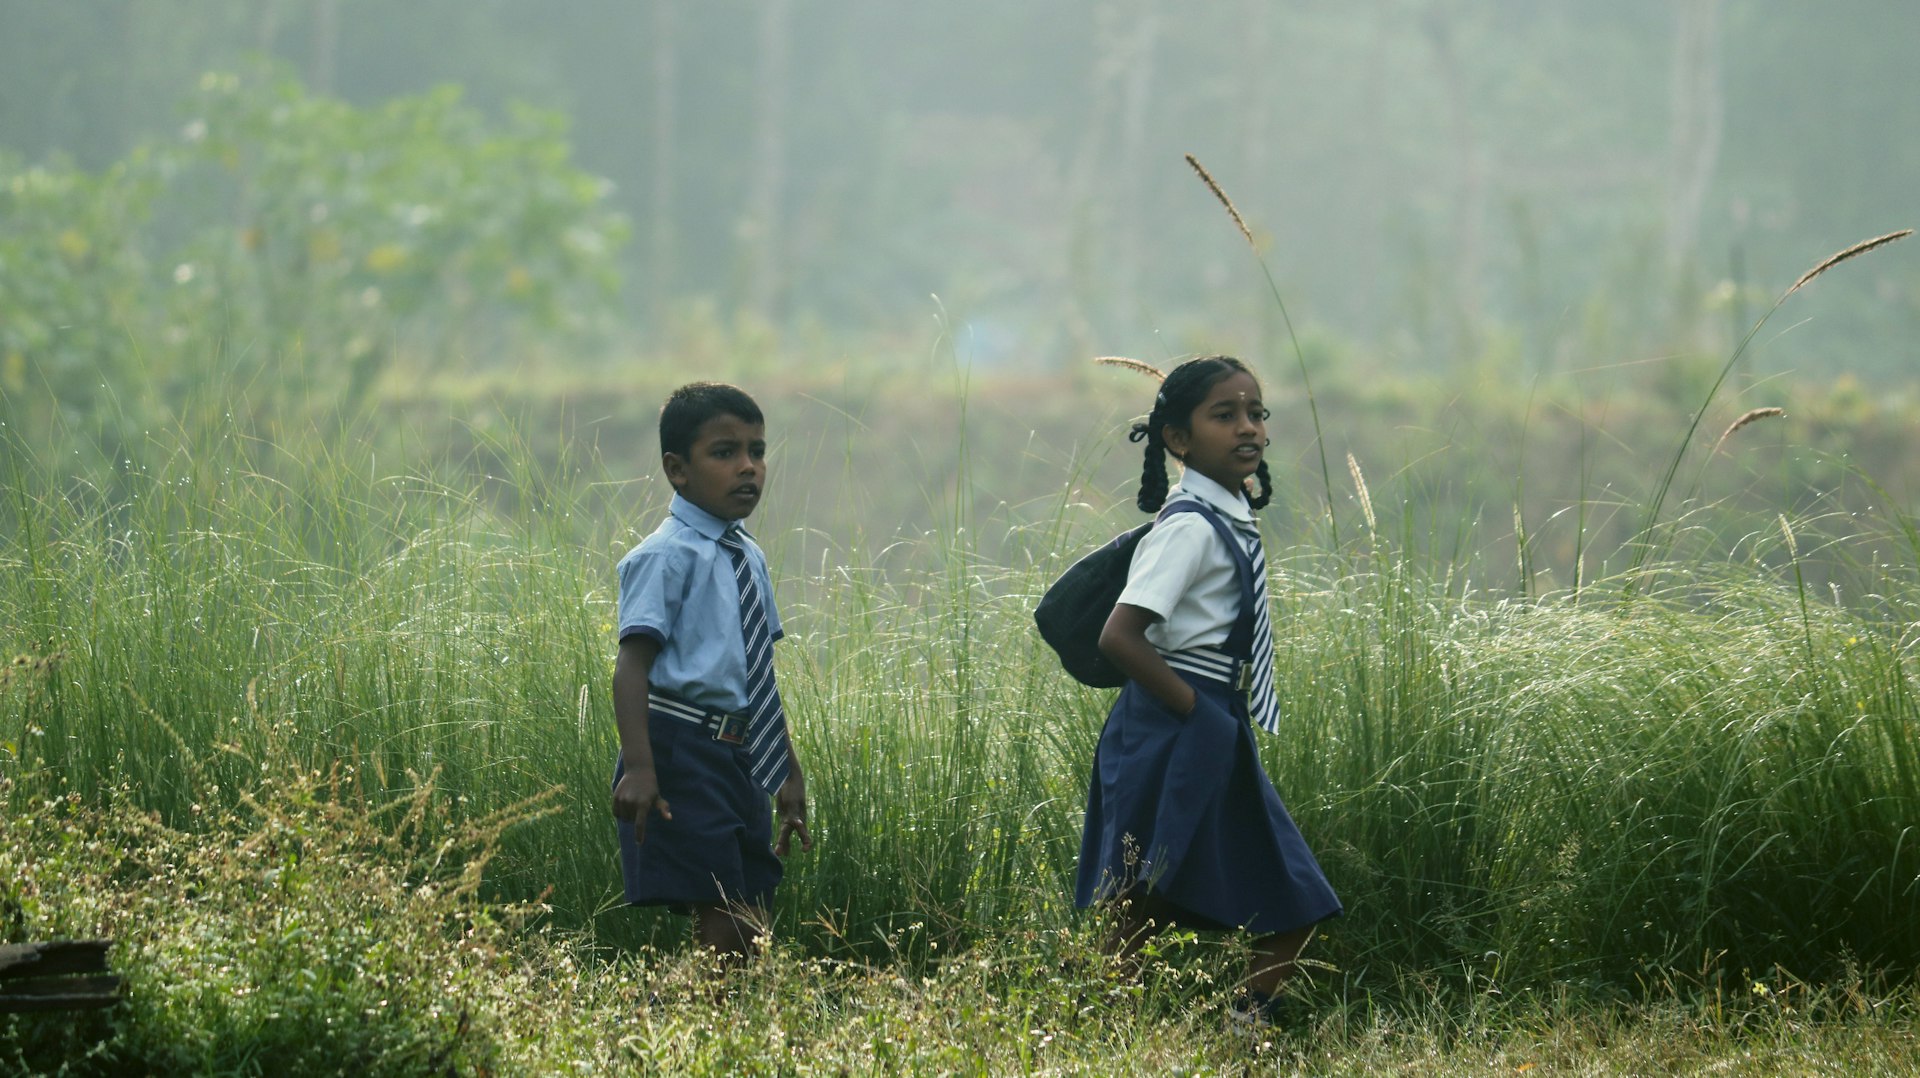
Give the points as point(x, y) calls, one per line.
point(1752, 415)
point(1147, 369)
point(1360, 489)
point(1207, 178)
point(1841, 256)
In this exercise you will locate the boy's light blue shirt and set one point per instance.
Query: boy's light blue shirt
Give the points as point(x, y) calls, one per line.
point(678, 587)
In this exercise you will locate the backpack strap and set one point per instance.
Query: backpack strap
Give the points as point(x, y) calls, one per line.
point(1239, 642)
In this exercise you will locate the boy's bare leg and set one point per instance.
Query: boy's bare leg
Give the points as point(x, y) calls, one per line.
point(732, 932)
point(1273, 958)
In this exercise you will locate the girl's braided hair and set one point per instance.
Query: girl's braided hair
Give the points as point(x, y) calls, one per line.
point(1185, 387)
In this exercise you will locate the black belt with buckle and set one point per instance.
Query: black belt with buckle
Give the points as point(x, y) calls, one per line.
point(724, 726)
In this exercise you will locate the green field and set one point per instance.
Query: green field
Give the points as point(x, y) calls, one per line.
point(320, 731)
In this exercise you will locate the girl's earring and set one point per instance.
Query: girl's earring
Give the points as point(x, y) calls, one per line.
point(1269, 441)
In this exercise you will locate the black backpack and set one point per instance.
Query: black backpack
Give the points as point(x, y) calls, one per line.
point(1075, 607)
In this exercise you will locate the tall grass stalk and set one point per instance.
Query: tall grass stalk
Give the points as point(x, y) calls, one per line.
point(1644, 545)
point(1299, 354)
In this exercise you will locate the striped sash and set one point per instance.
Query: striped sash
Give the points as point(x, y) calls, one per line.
point(1209, 662)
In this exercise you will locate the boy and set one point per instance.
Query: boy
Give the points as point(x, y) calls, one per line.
point(703, 738)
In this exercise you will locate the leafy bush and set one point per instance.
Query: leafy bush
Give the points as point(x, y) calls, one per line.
point(291, 929)
point(74, 284)
point(287, 248)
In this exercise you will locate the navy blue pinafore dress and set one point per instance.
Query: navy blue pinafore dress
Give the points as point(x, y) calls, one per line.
point(1181, 807)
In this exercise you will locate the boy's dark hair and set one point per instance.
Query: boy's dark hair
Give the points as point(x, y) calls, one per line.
point(1182, 391)
point(695, 403)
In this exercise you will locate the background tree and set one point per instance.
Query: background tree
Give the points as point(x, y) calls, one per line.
point(284, 244)
point(1523, 178)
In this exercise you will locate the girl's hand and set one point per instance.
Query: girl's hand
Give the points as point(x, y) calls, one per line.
point(791, 804)
point(1123, 640)
point(1193, 702)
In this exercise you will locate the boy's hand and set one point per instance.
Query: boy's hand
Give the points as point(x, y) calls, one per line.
point(637, 797)
point(791, 804)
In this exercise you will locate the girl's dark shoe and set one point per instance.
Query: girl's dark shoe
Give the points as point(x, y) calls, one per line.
point(1257, 1013)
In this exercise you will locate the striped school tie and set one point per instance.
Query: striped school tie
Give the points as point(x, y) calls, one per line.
point(766, 743)
point(1262, 705)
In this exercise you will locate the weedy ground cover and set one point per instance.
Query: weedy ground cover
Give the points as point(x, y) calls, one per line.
point(304, 931)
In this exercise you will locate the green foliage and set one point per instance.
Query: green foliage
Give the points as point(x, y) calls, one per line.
point(293, 928)
point(303, 931)
point(73, 292)
point(289, 249)
point(339, 226)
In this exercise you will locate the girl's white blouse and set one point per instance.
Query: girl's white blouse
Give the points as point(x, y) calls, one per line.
point(1183, 573)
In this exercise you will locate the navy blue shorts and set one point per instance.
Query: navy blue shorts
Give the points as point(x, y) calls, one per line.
point(718, 848)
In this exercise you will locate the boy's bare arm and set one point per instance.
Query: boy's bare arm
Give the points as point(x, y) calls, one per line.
point(638, 794)
point(790, 804)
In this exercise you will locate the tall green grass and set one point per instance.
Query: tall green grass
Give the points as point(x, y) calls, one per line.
point(1720, 776)
point(1552, 789)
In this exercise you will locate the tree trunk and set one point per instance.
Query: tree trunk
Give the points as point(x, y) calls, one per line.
point(1137, 97)
point(765, 223)
point(665, 137)
point(1258, 114)
point(266, 25)
point(1694, 131)
point(1470, 190)
point(1256, 145)
point(322, 59)
point(1083, 184)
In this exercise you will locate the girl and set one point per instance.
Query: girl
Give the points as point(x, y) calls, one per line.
point(1183, 825)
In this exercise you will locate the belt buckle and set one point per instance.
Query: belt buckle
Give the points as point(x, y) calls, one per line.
point(731, 729)
point(1243, 681)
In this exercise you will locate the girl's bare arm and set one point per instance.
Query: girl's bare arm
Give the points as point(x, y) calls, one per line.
point(1123, 640)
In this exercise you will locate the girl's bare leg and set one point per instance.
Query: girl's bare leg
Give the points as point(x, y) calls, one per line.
point(1138, 917)
point(1273, 959)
